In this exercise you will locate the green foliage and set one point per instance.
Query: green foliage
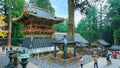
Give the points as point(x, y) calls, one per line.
point(114, 14)
point(117, 33)
point(91, 26)
point(107, 34)
point(16, 10)
point(114, 7)
point(115, 22)
point(82, 5)
point(61, 27)
point(88, 27)
point(83, 29)
point(16, 7)
point(17, 36)
point(43, 4)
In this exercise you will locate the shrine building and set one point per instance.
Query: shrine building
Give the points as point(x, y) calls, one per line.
point(38, 32)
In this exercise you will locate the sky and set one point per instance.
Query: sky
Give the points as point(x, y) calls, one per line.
point(61, 10)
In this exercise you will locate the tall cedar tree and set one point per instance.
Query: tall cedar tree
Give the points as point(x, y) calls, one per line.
point(16, 10)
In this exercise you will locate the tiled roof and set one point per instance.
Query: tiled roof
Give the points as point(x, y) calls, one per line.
point(115, 47)
point(77, 38)
point(62, 41)
point(102, 42)
point(35, 12)
point(41, 13)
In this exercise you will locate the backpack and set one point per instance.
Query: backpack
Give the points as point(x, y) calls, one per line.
point(108, 57)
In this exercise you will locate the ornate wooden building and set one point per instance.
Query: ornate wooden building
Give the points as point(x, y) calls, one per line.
point(38, 32)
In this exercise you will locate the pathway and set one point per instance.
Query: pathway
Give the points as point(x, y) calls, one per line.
point(103, 64)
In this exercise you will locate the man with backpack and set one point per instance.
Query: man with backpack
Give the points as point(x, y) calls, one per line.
point(108, 58)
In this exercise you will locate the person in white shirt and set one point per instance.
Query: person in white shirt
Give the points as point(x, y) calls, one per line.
point(95, 61)
point(110, 59)
point(81, 62)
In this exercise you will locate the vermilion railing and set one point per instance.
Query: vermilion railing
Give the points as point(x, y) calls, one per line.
point(38, 30)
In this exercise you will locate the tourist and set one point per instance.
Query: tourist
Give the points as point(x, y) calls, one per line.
point(95, 62)
point(11, 48)
point(115, 55)
point(119, 54)
point(3, 48)
point(94, 52)
point(81, 62)
point(108, 59)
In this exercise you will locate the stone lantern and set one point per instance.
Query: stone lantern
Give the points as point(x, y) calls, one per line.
point(10, 64)
point(24, 59)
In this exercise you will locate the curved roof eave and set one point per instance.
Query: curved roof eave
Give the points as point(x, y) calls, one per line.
point(40, 13)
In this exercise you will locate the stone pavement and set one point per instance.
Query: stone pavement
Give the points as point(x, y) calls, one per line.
point(103, 64)
point(35, 63)
point(29, 65)
point(3, 60)
point(44, 63)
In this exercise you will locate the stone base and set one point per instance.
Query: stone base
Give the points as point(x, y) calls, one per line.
point(63, 62)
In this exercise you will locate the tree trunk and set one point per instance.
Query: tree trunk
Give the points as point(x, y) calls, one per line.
point(9, 32)
point(115, 41)
point(70, 33)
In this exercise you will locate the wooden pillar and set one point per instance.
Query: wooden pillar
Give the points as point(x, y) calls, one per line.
point(55, 51)
point(63, 48)
point(74, 50)
point(38, 55)
point(65, 51)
